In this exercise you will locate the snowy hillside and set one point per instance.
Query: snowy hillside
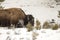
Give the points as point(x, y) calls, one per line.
point(38, 8)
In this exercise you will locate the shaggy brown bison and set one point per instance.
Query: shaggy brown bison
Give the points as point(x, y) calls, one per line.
point(14, 16)
point(11, 16)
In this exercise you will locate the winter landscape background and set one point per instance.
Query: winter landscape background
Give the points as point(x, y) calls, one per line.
point(42, 10)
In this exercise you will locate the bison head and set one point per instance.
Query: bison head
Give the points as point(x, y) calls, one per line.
point(29, 18)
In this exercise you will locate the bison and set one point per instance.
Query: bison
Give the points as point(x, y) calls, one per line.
point(13, 16)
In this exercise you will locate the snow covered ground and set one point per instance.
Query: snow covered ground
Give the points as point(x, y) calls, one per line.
point(22, 34)
point(39, 12)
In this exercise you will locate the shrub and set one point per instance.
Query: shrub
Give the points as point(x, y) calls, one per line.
point(46, 25)
point(38, 25)
point(55, 27)
point(29, 27)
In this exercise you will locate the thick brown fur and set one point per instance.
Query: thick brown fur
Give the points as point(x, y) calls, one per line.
point(11, 16)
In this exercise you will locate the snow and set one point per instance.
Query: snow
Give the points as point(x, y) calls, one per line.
point(22, 34)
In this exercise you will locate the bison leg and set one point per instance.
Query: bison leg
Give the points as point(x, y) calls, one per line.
point(22, 22)
point(11, 26)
